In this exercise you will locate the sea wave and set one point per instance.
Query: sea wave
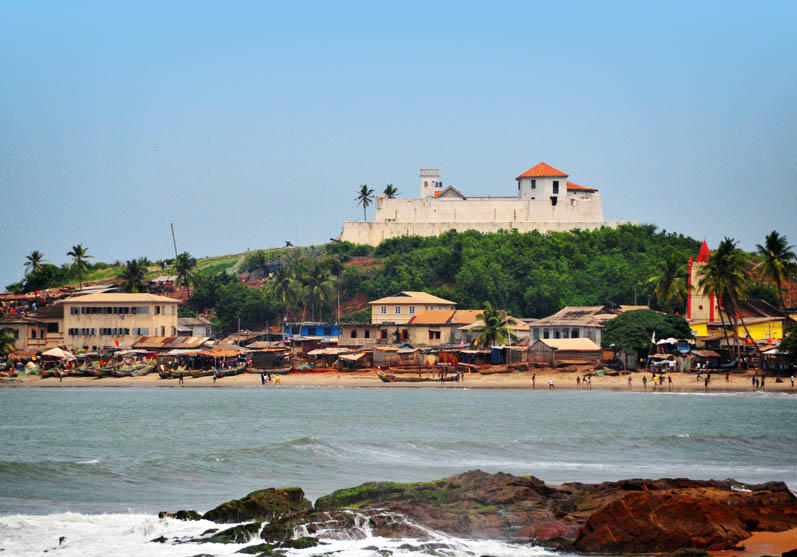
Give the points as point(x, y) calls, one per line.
point(90, 535)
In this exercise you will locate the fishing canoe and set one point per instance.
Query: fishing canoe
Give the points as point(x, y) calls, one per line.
point(390, 378)
point(231, 371)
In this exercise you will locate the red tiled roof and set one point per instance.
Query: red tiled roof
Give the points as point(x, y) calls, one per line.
point(704, 254)
point(575, 187)
point(542, 170)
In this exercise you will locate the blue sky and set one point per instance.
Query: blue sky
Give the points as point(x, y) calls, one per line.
point(251, 123)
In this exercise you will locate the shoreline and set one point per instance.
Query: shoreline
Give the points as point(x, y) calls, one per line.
point(682, 382)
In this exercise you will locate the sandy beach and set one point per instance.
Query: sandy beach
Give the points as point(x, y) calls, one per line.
point(682, 382)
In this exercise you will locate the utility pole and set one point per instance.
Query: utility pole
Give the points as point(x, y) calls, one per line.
point(174, 240)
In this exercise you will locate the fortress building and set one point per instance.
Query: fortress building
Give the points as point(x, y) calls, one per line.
point(545, 201)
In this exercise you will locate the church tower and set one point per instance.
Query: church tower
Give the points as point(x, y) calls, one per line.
point(430, 182)
point(700, 307)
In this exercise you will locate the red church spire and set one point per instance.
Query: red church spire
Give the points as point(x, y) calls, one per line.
point(703, 254)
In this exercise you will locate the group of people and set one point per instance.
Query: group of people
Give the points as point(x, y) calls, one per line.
point(657, 380)
point(267, 378)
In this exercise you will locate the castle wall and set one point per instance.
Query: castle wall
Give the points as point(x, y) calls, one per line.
point(373, 233)
point(583, 208)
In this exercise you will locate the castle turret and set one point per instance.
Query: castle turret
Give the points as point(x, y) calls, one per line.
point(700, 307)
point(430, 182)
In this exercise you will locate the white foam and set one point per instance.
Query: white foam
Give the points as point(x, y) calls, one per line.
point(130, 535)
point(92, 461)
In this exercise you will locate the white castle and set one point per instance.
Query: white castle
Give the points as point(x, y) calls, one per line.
point(545, 201)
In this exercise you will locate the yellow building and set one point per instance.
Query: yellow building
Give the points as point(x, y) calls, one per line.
point(402, 307)
point(97, 321)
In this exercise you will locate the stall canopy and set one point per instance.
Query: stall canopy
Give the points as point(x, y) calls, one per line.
point(352, 357)
point(328, 351)
point(220, 352)
point(59, 353)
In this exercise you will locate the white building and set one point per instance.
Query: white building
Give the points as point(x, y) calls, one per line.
point(545, 201)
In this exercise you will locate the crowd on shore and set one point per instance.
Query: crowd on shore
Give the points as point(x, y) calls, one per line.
point(547, 379)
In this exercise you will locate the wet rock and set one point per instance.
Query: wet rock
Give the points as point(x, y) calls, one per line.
point(257, 549)
point(181, 515)
point(237, 534)
point(300, 543)
point(264, 504)
point(209, 531)
point(159, 539)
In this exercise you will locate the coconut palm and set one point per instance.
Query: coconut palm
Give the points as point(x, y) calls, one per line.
point(725, 274)
point(79, 255)
point(285, 289)
point(184, 266)
point(391, 191)
point(365, 197)
point(319, 288)
point(34, 262)
point(494, 327)
point(779, 263)
point(7, 341)
point(670, 284)
point(132, 276)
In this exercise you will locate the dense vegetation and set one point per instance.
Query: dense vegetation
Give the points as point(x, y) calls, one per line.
point(633, 330)
point(526, 275)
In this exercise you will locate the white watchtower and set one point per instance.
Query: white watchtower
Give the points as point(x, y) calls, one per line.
point(430, 181)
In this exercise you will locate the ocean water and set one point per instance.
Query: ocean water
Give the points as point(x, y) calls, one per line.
point(96, 465)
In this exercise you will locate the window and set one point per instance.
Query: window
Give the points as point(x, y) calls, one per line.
point(434, 335)
point(383, 334)
point(536, 334)
point(311, 331)
point(52, 327)
point(557, 334)
point(33, 333)
point(553, 201)
point(327, 331)
point(157, 310)
point(398, 310)
point(565, 333)
point(384, 309)
point(534, 184)
point(574, 333)
point(556, 186)
point(141, 331)
point(412, 309)
point(74, 310)
point(546, 333)
point(174, 331)
point(405, 334)
point(425, 183)
point(366, 333)
point(354, 333)
point(163, 331)
point(295, 329)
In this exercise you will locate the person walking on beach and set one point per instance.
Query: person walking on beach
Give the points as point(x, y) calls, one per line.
point(705, 383)
point(263, 378)
point(534, 381)
point(762, 383)
point(645, 382)
point(180, 379)
point(792, 381)
point(578, 381)
point(727, 377)
point(629, 381)
point(550, 384)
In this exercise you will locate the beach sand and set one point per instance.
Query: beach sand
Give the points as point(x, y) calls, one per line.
point(763, 543)
point(364, 379)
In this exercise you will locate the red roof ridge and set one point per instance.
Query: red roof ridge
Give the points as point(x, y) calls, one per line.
point(542, 170)
point(575, 187)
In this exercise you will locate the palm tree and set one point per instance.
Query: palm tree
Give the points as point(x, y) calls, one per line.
point(391, 191)
point(779, 262)
point(285, 289)
point(79, 254)
point(34, 262)
point(7, 341)
point(132, 276)
point(319, 288)
point(725, 274)
point(365, 197)
point(670, 285)
point(184, 266)
point(494, 327)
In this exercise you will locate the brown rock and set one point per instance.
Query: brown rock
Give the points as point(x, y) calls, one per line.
point(264, 504)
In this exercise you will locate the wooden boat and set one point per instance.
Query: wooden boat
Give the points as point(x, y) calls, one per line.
point(230, 372)
point(196, 373)
point(391, 378)
point(52, 372)
point(143, 370)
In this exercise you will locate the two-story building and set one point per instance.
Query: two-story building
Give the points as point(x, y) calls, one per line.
point(97, 321)
point(37, 330)
point(400, 308)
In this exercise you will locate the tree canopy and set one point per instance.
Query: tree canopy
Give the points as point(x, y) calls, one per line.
point(633, 330)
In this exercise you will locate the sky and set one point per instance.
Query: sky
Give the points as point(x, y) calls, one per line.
point(248, 124)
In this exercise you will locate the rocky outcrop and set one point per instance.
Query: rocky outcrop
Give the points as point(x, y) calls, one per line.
point(629, 516)
point(264, 504)
point(181, 515)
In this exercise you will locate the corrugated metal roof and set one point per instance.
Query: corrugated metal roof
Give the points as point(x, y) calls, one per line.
point(119, 298)
point(410, 297)
point(570, 343)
